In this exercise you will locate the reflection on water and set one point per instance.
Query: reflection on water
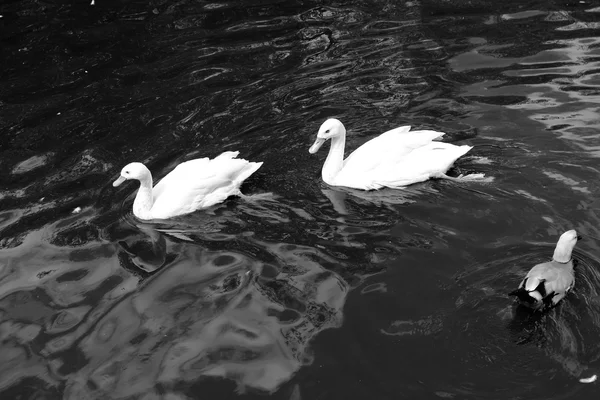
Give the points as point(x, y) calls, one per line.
point(337, 196)
point(97, 305)
point(107, 332)
point(210, 314)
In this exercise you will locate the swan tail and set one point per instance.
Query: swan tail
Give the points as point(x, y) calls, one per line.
point(443, 155)
point(227, 155)
point(459, 152)
point(468, 178)
point(464, 149)
point(246, 171)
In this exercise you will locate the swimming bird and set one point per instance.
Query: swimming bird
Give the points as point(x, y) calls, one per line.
point(548, 283)
point(394, 159)
point(192, 185)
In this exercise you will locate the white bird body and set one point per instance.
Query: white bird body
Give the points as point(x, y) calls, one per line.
point(548, 283)
point(192, 185)
point(394, 159)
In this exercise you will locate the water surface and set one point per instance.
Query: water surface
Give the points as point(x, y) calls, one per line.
point(317, 292)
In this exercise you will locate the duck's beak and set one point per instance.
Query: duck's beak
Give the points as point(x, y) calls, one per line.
point(316, 146)
point(119, 180)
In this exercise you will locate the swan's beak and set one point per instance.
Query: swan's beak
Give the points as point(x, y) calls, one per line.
point(579, 237)
point(316, 146)
point(120, 180)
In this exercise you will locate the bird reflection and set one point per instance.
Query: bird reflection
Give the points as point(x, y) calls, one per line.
point(146, 248)
point(338, 196)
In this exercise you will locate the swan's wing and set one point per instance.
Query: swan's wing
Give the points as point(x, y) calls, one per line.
point(192, 168)
point(229, 174)
point(432, 159)
point(187, 168)
point(388, 147)
point(227, 155)
point(183, 196)
point(234, 169)
point(201, 184)
point(419, 165)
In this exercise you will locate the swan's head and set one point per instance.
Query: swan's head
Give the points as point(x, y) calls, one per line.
point(329, 129)
point(565, 245)
point(135, 170)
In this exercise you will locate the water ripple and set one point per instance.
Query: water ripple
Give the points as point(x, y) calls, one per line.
point(96, 304)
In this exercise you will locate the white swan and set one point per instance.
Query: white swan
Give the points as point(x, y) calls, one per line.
point(546, 284)
point(394, 159)
point(191, 186)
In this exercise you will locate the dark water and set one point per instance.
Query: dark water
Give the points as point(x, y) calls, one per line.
point(319, 293)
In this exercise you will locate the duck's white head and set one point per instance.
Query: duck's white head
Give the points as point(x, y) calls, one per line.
point(329, 129)
point(565, 245)
point(134, 170)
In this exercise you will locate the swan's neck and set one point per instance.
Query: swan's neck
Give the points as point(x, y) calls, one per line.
point(335, 159)
point(142, 205)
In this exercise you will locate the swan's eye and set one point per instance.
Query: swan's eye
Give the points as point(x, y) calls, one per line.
point(126, 172)
point(327, 131)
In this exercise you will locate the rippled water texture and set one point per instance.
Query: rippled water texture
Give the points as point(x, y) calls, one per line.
point(316, 292)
